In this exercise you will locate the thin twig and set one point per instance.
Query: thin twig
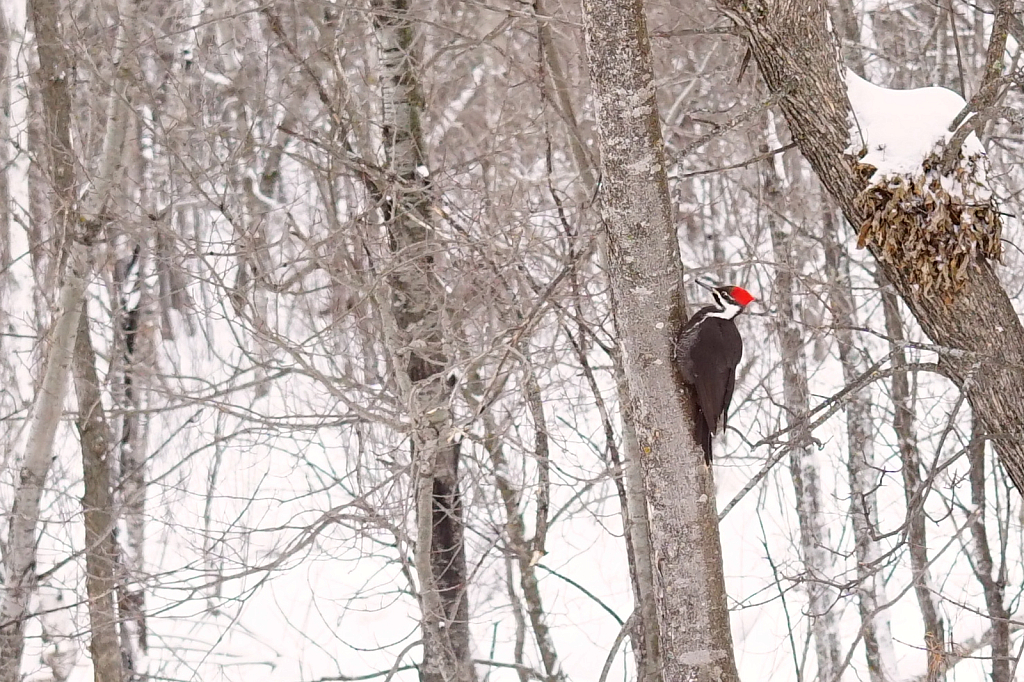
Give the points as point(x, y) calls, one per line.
point(742, 164)
point(749, 114)
point(623, 631)
point(585, 591)
point(830, 406)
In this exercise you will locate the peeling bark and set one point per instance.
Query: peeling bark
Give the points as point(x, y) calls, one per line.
point(642, 260)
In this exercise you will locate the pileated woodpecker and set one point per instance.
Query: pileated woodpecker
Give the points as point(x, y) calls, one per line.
point(707, 351)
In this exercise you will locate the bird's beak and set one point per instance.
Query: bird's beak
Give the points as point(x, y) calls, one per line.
point(705, 282)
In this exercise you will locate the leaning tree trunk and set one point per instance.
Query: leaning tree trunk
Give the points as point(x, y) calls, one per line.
point(981, 336)
point(642, 260)
point(20, 576)
point(79, 229)
point(416, 311)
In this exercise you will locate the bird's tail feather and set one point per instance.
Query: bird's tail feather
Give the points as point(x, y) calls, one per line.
point(704, 435)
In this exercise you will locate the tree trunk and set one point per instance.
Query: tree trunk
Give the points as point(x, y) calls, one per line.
point(860, 465)
point(815, 545)
point(642, 260)
point(914, 492)
point(131, 462)
point(416, 312)
point(636, 515)
point(20, 555)
point(981, 335)
point(992, 579)
point(629, 482)
point(78, 231)
point(98, 505)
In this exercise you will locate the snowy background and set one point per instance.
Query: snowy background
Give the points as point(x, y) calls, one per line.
point(278, 515)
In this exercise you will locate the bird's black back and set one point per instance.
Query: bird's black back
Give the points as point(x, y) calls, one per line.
point(708, 349)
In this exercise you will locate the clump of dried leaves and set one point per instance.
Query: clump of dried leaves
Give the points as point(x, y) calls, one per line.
point(934, 226)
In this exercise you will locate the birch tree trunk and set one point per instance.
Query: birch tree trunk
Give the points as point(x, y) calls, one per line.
point(416, 311)
point(642, 260)
point(131, 465)
point(79, 230)
point(978, 328)
point(20, 575)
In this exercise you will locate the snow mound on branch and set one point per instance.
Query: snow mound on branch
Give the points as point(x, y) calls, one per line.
point(899, 129)
point(931, 222)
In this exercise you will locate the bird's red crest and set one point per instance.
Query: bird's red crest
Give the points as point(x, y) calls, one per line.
point(741, 295)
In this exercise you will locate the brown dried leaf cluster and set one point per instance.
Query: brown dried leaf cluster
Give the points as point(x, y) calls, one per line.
point(933, 235)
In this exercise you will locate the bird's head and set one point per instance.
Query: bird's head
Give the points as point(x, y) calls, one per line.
point(730, 300)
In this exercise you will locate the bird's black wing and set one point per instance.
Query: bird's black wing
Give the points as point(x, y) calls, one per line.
point(730, 384)
point(732, 339)
point(710, 377)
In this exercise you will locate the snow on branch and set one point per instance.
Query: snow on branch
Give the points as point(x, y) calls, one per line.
point(940, 218)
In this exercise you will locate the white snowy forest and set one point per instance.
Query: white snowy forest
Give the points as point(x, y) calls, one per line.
point(311, 368)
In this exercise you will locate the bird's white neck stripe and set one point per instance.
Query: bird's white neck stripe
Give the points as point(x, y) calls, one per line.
point(727, 312)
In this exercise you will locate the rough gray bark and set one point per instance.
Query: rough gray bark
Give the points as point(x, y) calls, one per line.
point(981, 333)
point(98, 505)
point(815, 545)
point(416, 312)
point(637, 518)
point(629, 482)
point(863, 473)
point(642, 260)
